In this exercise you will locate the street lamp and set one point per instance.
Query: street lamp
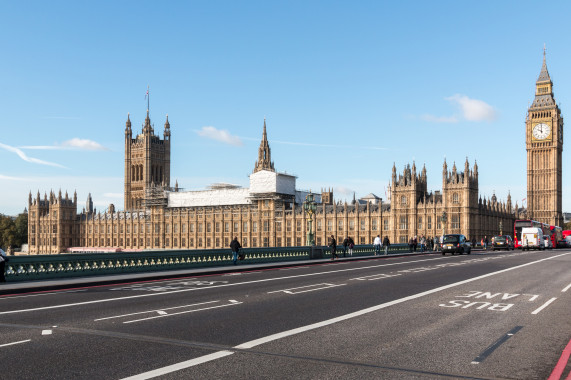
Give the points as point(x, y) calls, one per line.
point(310, 206)
point(501, 228)
point(444, 219)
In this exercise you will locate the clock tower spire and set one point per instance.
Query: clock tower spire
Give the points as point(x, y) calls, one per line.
point(544, 145)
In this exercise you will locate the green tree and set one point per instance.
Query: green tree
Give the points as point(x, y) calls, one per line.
point(13, 231)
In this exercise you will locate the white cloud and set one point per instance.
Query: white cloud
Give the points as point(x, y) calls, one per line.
point(82, 144)
point(73, 144)
point(474, 109)
point(24, 157)
point(439, 119)
point(220, 135)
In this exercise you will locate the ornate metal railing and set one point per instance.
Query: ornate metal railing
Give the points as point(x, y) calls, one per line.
point(38, 267)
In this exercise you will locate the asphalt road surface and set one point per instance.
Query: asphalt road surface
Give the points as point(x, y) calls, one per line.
point(497, 315)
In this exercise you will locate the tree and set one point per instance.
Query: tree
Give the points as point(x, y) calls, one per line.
point(13, 231)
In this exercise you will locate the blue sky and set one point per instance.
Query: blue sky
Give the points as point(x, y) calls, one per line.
point(348, 88)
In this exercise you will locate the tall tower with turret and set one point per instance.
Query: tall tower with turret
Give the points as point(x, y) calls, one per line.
point(264, 161)
point(147, 162)
point(544, 145)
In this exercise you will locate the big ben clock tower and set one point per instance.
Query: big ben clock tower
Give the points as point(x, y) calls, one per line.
point(544, 145)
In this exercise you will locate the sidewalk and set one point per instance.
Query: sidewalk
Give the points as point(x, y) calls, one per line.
point(19, 287)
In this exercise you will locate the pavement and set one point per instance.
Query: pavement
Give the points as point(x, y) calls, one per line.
point(18, 287)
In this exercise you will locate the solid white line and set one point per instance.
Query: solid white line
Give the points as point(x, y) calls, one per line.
point(284, 334)
point(544, 306)
point(182, 312)
point(179, 366)
point(210, 287)
point(566, 288)
point(152, 311)
point(10, 344)
point(42, 294)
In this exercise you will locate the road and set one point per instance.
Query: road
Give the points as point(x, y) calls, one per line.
point(495, 315)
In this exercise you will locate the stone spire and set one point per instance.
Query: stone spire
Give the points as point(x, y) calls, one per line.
point(167, 132)
point(264, 154)
point(544, 74)
point(128, 125)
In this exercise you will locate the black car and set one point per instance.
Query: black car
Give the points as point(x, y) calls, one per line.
point(455, 243)
point(502, 242)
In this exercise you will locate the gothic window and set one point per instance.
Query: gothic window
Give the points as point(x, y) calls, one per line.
point(254, 242)
point(266, 227)
point(386, 224)
point(199, 242)
point(403, 222)
point(363, 225)
point(429, 222)
point(455, 198)
point(329, 225)
point(455, 221)
point(254, 226)
point(298, 226)
point(199, 227)
point(245, 227)
point(288, 227)
point(278, 228)
point(351, 225)
point(420, 222)
point(340, 227)
point(266, 242)
point(403, 200)
point(208, 227)
point(374, 225)
point(319, 225)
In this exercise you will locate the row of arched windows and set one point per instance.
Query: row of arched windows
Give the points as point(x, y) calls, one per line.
point(536, 115)
point(156, 173)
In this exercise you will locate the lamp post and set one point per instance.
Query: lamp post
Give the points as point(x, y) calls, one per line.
point(444, 219)
point(310, 206)
point(381, 216)
point(501, 228)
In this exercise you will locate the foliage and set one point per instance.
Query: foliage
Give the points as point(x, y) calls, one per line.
point(567, 226)
point(13, 231)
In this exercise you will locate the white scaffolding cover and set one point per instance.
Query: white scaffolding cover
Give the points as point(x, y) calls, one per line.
point(219, 197)
point(266, 181)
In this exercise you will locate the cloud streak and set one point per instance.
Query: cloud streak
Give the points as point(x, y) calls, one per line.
point(32, 160)
point(73, 144)
point(220, 135)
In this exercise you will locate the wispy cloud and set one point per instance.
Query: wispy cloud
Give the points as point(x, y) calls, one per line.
point(9, 178)
point(470, 110)
point(439, 119)
point(62, 117)
point(474, 109)
point(73, 144)
point(220, 135)
point(24, 157)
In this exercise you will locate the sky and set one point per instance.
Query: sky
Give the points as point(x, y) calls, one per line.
point(348, 88)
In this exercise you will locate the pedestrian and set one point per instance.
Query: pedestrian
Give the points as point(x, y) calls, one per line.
point(377, 244)
point(422, 243)
point(386, 243)
point(410, 244)
point(431, 247)
point(473, 242)
point(333, 246)
point(351, 245)
point(345, 245)
point(3, 260)
point(415, 243)
point(235, 247)
point(486, 241)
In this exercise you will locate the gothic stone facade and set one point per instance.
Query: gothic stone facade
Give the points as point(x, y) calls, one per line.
point(269, 219)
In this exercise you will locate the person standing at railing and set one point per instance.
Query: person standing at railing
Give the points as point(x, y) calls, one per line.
point(386, 244)
point(3, 260)
point(235, 247)
point(351, 245)
point(345, 245)
point(333, 246)
point(422, 243)
point(377, 244)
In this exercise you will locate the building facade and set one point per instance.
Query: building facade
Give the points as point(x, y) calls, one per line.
point(544, 145)
point(268, 213)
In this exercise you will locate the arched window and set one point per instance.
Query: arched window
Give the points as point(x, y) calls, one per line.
point(455, 198)
point(403, 200)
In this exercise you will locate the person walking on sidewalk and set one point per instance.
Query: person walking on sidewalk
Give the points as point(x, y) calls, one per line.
point(345, 245)
point(235, 247)
point(386, 244)
point(333, 246)
point(351, 245)
point(377, 244)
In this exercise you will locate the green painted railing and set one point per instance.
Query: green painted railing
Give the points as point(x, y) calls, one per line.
point(39, 267)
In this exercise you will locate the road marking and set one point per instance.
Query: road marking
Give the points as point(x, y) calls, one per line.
point(11, 344)
point(299, 330)
point(43, 294)
point(154, 311)
point(211, 287)
point(183, 312)
point(46, 332)
point(543, 306)
point(566, 288)
point(313, 288)
point(495, 345)
point(561, 364)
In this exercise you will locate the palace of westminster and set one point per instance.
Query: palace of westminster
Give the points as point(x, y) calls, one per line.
point(270, 212)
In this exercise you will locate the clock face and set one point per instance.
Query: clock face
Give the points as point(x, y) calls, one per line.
point(541, 131)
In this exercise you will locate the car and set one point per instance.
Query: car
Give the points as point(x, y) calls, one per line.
point(502, 242)
point(455, 243)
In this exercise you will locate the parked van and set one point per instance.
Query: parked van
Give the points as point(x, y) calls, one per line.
point(532, 238)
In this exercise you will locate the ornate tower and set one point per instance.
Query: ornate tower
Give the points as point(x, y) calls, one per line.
point(264, 154)
point(544, 145)
point(147, 162)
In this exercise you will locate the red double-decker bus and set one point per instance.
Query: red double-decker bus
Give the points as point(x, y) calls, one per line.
point(555, 233)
